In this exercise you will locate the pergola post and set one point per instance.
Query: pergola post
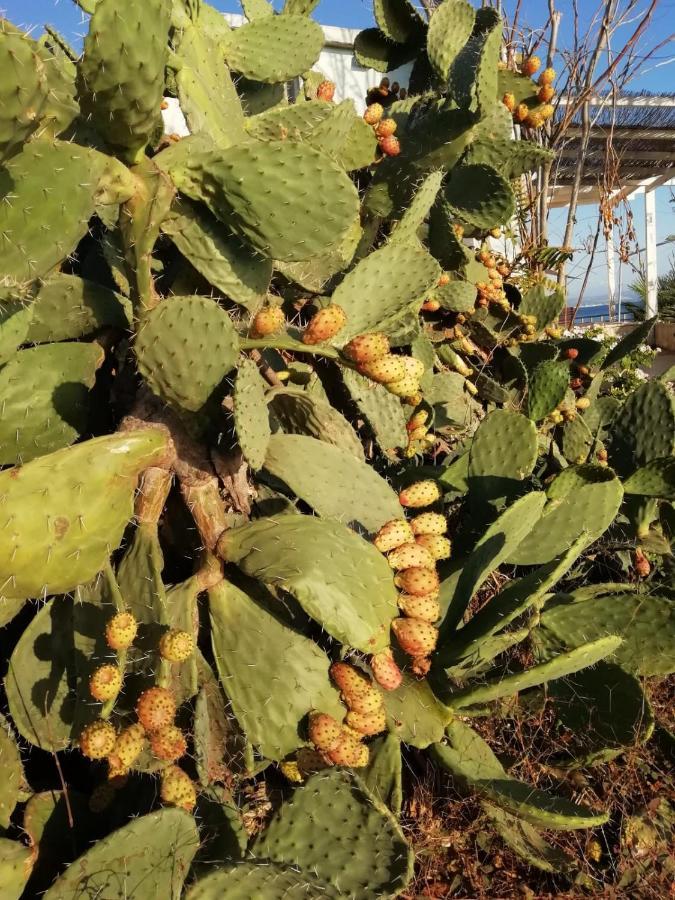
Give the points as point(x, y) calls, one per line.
point(651, 300)
point(611, 275)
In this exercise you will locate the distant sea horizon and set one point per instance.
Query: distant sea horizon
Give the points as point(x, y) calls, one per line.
point(594, 310)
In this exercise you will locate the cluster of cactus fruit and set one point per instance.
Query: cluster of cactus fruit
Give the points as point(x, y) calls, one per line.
point(250, 382)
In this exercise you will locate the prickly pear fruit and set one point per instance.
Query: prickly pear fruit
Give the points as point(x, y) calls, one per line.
point(325, 91)
point(390, 145)
point(409, 556)
point(437, 545)
point(350, 681)
point(583, 403)
point(429, 523)
point(417, 420)
point(97, 739)
point(425, 607)
point(347, 752)
point(325, 324)
point(416, 637)
point(177, 788)
point(385, 671)
point(268, 320)
point(176, 646)
point(168, 743)
point(324, 731)
point(366, 724)
point(366, 703)
point(420, 494)
point(373, 114)
point(421, 666)
point(405, 387)
point(547, 76)
point(531, 65)
point(366, 348)
point(570, 353)
point(384, 369)
point(509, 101)
point(385, 127)
point(128, 746)
point(641, 563)
point(418, 581)
point(392, 535)
point(121, 630)
point(291, 771)
point(431, 305)
point(413, 367)
point(105, 683)
point(522, 112)
point(156, 708)
point(118, 773)
point(545, 93)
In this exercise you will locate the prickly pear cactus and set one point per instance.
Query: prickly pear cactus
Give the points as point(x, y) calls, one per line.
point(290, 470)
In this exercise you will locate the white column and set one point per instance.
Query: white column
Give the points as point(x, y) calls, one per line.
point(651, 307)
point(611, 276)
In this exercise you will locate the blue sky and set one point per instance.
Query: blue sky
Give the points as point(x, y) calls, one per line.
point(659, 76)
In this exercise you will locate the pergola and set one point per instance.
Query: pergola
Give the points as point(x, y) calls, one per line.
point(640, 128)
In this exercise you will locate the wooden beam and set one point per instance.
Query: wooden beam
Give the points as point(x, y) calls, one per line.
point(624, 157)
point(599, 132)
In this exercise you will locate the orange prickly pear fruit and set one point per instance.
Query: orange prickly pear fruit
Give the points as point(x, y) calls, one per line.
point(348, 751)
point(97, 740)
point(547, 76)
point(392, 535)
point(156, 708)
point(418, 581)
point(420, 494)
point(385, 671)
point(105, 683)
point(128, 746)
point(546, 92)
point(366, 348)
point(350, 681)
point(373, 113)
point(431, 305)
point(268, 320)
point(325, 324)
point(367, 724)
point(531, 65)
point(325, 91)
point(176, 646)
point(168, 743)
point(522, 112)
point(416, 637)
point(385, 127)
point(509, 101)
point(390, 145)
point(324, 731)
point(425, 607)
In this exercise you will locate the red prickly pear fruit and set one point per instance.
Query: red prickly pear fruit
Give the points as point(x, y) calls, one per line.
point(410, 556)
point(366, 703)
point(413, 367)
point(641, 564)
point(350, 681)
point(347, 752)
point(384, 369)
point(426, 607)
point(407, 387)
point(420, 666)
point(373, 114)
point(390, 145)
point(531, 65)
point(325, 324)
point(128, 746)
point(385, 671)
point(105, 683)
point(168, 743)
point(176, 646)
point(268, 320)
point(97, 740)
point(418, 581)
point(570, 353)
point(420, 494)
point(156, 708)
point(417, 638)
point(120, 631)
point(366, 724)
point(366, 348)
point(429, 523)
point(177, 788)
point(324, 731)
point(437, 545)
point(325, 91)
point(385, 127)
point(392, 535)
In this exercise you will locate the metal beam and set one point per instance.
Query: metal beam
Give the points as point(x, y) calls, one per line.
point(651, 305)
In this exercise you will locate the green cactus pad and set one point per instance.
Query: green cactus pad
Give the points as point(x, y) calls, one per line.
point(151, 855)
point(79, 178)
point(450, 28)
point(656, 479)
point(524, 840)
point(185, 347)
point(479, 196)
point(16, 861)
point(581, 500)
point(473, 76)
point(645, 622)
point(251, 419)
point(332, 481)
point(264, 664)
point(207, 95)
point(407, 227)
point(383, 287)
point(399, 20)
point(414, 714)
point(320, 202)
point(577, 440)
point(504, 446)
point(15, 319)
point(443, 242)
point(263, 880)
point(511, 158)
point(67, 307)
point(45, 399)
point(470, 759)
point(345, 137)
point(274, 49)
point(64, 513)
point(638, 335)
point(355, 605)
point(12, 773)
point(453, 406)
point(300, 413)
point(383, 776)
point(549, 381)
point(382, 410)
point(359, 849)
point(297, 122)
point(560, 666)
point(644, 429)
point(46, 684)
point(121, 74)
point(523, 88)
point(374, 50)
point(20, 108)
point(546, 307)
point(457, 296)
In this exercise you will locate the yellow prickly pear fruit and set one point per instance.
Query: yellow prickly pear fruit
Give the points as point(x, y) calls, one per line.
point(385, 369)
point(176, 646)
point(420, 494)
point(406, 387)
point(120, 631)
point(392, 535)
point(547, 112)
point(268, 320)
point(583, 403)
point(418, 581)
point(128, 746)
point(444, 279)
point(325, 324)
point(97, 740)
point(367, 724)
point(417, 420)
point(431, 305)
point(437, 545)
point(366, 703)
point(522, 112)
point(291, 771)
point(531, 65)
point(366, 348)
point(407, 556)
point(416, 637)
point(426, 607)
point(168, 743)
point(534, 120)
point(177, 788)
point(547, 76)
point(509, 101)
point(373, 114)
point(348, 751)
point(105, 683)
point(324, 731)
